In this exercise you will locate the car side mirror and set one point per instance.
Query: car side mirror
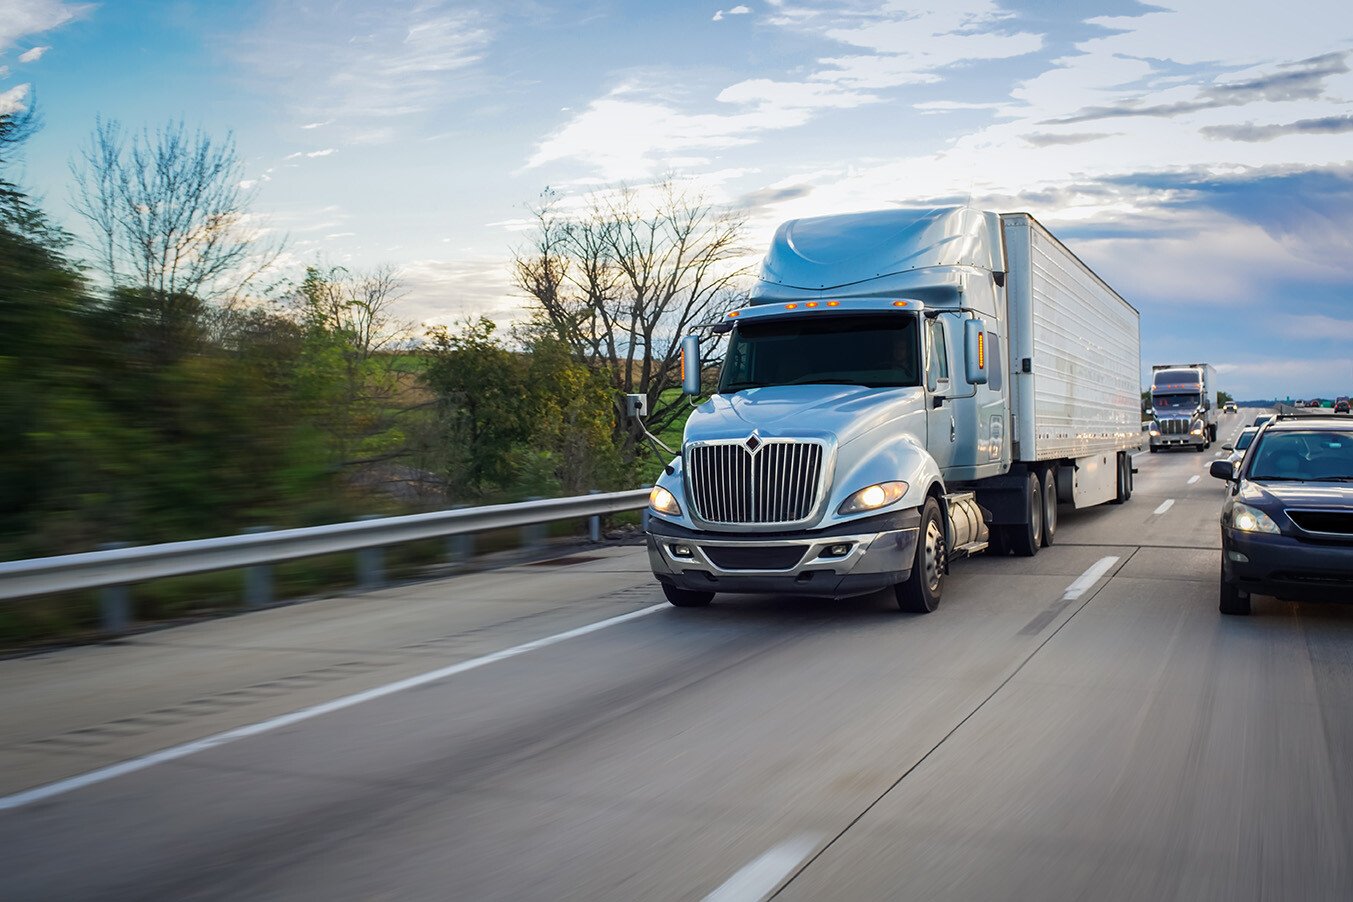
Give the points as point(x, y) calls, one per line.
point(1228, 447)
point(690, 365)
point(1223, 469)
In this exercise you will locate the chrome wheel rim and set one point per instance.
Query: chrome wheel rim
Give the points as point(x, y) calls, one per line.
point(934, 556)
point(1050, 508)
point(1036, 515)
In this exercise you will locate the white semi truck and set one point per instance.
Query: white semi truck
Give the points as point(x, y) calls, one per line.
point(1184, 406)
point(903, 388)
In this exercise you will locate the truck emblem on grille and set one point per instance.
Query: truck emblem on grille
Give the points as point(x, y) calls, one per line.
point(752, 442)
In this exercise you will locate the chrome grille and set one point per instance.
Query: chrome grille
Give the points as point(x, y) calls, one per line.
point(1174, 426)
point(773, 481)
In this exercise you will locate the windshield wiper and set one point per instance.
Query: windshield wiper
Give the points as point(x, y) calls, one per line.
point(810, 381)
point(1331, 479)
point(739, 386)
point(1277, 479)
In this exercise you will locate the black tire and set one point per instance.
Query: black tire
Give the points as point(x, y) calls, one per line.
point(687, 598)
point(1120, 483)
point(921, 592)
point(1201, 448)
point(1234, 602)
point(1127, 473)
point(1049, 505)
point(1026, 538)
point(1154, 449)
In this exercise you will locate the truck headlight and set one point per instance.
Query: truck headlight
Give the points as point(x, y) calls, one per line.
point(873, 497)
point(663, 501)
point(1155, 429)
point(1252, 519)
point(1197, 430)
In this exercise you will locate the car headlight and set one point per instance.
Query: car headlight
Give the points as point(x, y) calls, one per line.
point(1252, 519)
point(663, 501)
point(873, 497)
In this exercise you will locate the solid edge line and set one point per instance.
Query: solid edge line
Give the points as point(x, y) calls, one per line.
point(173, 753)
point(1087, 579)
point(1164, 506)
point(754, 880)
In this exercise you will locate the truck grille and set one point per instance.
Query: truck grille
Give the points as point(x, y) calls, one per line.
point(754, 481)
point(754, 557)
point(1174, 427)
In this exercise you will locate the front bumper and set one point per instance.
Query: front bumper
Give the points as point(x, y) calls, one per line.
point(881, 553)
point(1287, 568)
point(1178, 441)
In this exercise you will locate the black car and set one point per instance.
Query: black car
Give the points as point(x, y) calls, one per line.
point(1287, 524)
point(1341, 405)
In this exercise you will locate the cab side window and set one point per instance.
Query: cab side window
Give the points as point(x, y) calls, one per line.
point(939, 354)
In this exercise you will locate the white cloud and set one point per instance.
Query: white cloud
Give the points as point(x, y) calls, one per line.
point(739, 11)
point(718, 17)
point(320, 153)
point(33, 55)
point(21, 18)
point(12, 101)
point(348, 63)
point(898, 48)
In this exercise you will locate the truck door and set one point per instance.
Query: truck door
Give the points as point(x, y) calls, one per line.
point(941, 427)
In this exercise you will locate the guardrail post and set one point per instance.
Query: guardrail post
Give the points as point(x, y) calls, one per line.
point(258, 578)
point(459, 547)
point(594, 523)
point(371, 563)
point(533, 534)
point(115, 602)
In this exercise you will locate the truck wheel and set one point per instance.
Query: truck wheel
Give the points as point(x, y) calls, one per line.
point(686, 598)
point(1233, 601)
point(1025, 538)
point(920, 593)
point(1049, 505)
point(1154, 449)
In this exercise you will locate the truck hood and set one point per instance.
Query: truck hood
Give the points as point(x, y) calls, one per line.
point(842, 412)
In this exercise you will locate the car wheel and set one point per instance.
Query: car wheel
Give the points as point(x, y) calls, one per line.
point(920, 593)
point(1025, 538)
point(686, 598)
point(1049, 505)
point(1233, 601)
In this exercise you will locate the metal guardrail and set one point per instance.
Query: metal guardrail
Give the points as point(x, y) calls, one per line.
point(125, 566)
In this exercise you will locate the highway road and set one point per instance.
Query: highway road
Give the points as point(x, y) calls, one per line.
point(1078, 725)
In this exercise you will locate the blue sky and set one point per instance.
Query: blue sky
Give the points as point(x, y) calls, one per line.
point(1199, 155)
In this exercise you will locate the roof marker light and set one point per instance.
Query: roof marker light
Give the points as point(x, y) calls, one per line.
point(732, 313)
point(811, 304)
point(791, 306)
point(833, 303)
point(899, 303)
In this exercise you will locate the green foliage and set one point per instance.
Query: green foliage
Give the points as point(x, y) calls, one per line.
point(1224, 397)
point(519, 424)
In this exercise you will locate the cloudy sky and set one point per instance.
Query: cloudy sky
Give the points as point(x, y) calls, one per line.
point(1198, 154)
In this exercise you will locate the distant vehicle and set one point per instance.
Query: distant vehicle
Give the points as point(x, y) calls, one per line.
point(1230, 407)
point(1287, 523)
point(1184, 406)
point(864, 436)
point(1341, 405)
point(1242, 442)
point(1262, 419)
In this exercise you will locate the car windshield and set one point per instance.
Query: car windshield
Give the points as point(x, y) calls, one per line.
point(1176, 402)
point(1323, 455)
point(1246, 436)
point(874, 351)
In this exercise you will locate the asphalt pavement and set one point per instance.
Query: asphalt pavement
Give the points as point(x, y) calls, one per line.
point(1078, 725)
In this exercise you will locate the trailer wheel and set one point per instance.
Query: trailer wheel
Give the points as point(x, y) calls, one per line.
point(1049, 505)
point(1025, 538)
point(920, 593)
point(686, 598)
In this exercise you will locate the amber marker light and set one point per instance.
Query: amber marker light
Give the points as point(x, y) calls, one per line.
point(981, 350)
point(811, 304)
point(833, 303)
point(732, 313)
point(791, 306)
point(899, 303)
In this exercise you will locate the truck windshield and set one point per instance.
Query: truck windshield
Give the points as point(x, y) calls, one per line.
point(875, 351)
point(1176, 402)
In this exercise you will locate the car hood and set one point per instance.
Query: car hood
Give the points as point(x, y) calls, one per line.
point(1297, 494)
point(842, 412)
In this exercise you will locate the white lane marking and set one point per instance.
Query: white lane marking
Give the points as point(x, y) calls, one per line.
point(1088, 578)
point(755, 880)
point(173, 753)
point(1194, 478)
point(1164, 506)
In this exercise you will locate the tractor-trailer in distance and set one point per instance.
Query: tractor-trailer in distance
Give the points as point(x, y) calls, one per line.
point(903, 388)
point(1184, 406)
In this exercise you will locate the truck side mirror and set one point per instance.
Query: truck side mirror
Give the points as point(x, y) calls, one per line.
point(690, 365)
point(975, 351)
